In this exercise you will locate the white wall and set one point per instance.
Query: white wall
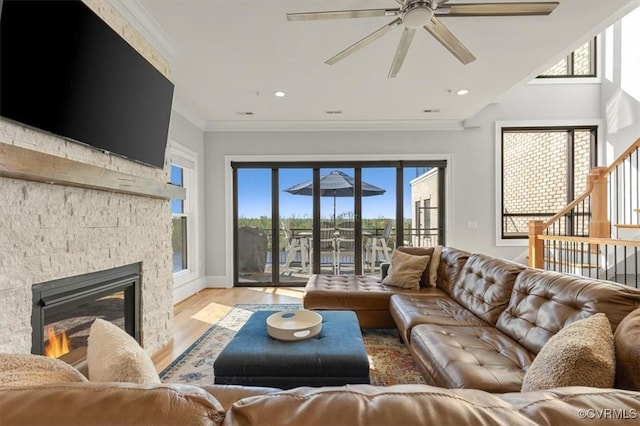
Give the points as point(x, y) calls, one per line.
point(620, 104)
point(472, 165)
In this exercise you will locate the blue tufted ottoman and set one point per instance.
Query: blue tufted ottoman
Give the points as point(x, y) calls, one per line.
point(335, 357)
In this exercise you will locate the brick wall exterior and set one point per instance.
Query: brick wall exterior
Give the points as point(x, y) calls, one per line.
point(50, 231)
point(424, 187)
point(534, 173)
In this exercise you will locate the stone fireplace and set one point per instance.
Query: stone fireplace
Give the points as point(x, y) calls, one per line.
point(57, 231)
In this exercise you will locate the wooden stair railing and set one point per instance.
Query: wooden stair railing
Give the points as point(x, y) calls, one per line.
point(598, 201)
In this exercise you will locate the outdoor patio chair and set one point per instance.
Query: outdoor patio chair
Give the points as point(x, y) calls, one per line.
point(380, 250)
point(296, 248)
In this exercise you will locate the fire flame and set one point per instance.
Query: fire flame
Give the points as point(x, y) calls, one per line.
point(57, 345)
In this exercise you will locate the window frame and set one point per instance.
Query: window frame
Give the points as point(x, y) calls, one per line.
point(598, 156)
point(302, 159)
point(596, 77)
point(187, 160)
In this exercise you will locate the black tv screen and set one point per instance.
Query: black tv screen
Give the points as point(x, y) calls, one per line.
point(65, 71)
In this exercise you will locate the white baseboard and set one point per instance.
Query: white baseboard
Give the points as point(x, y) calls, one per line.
point(218, 281)
point(188, 289)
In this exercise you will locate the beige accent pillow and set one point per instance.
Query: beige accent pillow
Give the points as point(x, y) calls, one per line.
point(430, 274)
point(115, 356)
point(33, 370)
point(580, 354)
point(627, 344)
point(405, 270)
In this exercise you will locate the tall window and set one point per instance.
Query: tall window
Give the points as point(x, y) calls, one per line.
point(179, 235)
point(579, 63)
point(542, 171)
point(184, 235)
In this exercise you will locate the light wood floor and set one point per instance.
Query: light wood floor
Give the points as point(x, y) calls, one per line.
point(194, 316)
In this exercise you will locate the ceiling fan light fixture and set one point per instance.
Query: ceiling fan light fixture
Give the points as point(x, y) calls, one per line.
point(417, 17)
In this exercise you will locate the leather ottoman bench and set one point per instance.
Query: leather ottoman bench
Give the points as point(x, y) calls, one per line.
point(364, 295)
point(335, 357)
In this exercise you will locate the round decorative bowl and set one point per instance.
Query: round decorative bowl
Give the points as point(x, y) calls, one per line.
point(294, 325)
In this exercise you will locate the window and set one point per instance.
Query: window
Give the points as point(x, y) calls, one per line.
point(543, 169)
point(179, 235)
point(287, 227)
point(183, 238)
point(579, 63)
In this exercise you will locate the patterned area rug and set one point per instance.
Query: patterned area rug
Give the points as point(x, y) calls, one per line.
point(389, 360)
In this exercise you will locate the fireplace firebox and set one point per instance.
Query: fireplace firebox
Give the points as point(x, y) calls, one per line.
point(64, 309)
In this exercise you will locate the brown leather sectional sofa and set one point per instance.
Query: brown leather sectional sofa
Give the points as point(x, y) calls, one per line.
point(479, 327)
point(484, 322)
point(124, 404)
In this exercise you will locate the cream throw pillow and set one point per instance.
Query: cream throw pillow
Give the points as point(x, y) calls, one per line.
point(115, 356)
point(33, 370)
point(581, 354)
point(406, 270)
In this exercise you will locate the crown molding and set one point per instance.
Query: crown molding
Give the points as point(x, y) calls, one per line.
point(147, 26)
point(179, 107)
point(313, 126)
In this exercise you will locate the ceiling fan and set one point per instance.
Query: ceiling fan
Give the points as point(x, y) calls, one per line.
point(413, 14)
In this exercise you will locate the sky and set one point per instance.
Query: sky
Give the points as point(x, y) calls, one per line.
point(254, 194)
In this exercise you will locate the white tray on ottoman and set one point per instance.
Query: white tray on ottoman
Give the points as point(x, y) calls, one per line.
point(294, 325)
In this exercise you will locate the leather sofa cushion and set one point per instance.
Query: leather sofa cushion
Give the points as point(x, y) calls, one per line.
point(543, 302)
point(470, 357)
point(485, 285)
point(452, 261)
point(374, 406)
point(433, 307)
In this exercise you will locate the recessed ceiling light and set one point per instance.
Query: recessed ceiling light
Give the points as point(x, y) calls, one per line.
point(462, 92)
point(279, 94)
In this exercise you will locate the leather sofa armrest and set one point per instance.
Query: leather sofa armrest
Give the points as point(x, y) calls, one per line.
point(102, 403)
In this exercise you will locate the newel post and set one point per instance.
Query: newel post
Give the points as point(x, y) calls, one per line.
point(536, 245)
point(599, 225)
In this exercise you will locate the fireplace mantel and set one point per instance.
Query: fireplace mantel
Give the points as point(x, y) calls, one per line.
point(21, 163)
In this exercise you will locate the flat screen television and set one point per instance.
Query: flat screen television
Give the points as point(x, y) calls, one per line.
point(65, 71)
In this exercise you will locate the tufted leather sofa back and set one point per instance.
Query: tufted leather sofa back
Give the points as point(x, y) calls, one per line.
point(485, 285)
point(452, 261)
point(544, 302)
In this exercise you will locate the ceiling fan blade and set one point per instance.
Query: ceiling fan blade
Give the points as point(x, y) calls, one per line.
point(365, 41)
point(497, 9)
point(401, 51)
point(341, 14)
point(448, 40)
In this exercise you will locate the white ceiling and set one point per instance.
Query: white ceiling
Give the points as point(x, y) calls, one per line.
point(230, 56)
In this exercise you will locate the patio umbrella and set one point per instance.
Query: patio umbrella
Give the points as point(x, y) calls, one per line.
point(335, 184)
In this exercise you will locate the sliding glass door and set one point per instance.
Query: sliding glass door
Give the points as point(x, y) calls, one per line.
point(292, 220)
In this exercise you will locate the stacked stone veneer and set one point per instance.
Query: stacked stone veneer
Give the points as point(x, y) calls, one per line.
point(50, 231)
